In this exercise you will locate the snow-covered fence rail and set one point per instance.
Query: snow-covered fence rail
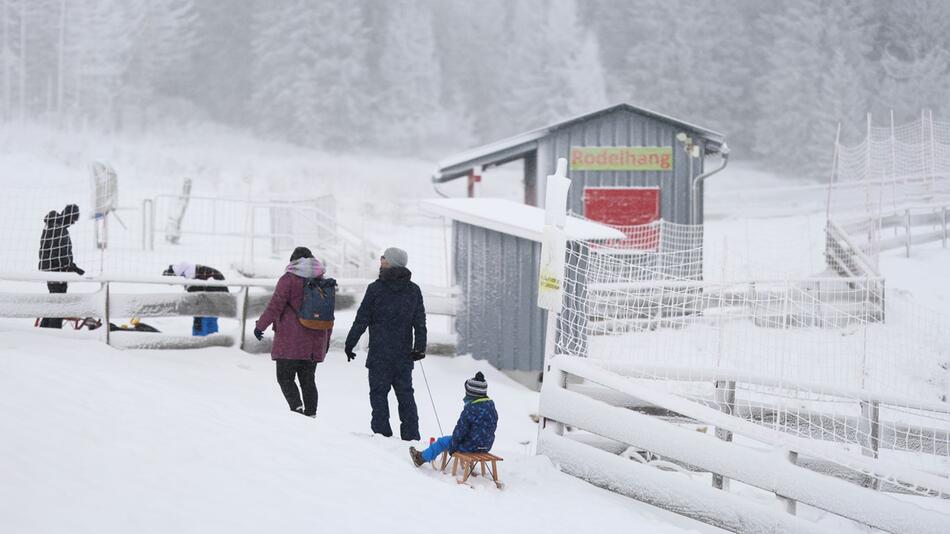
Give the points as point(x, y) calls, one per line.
point(259, 229)
point(844, 256)
point(912, 226)
point(777, 473)
point(109, 301)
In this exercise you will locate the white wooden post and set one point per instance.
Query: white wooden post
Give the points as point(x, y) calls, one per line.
point(789, 505)
point(726, 399)
point(551, 272)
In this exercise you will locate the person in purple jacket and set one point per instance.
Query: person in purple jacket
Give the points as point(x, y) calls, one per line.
point(297, 350)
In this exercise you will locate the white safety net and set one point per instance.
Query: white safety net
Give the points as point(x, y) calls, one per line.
point(827, 360)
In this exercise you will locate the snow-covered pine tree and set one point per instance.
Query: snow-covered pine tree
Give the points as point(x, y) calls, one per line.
point(220, 78)
point(523, 77)
point(914, 49)
point(408, 110)
point(473, 53)
point(309, 71)
point(577, 82)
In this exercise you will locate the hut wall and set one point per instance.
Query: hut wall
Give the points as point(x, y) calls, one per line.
point(499, 319)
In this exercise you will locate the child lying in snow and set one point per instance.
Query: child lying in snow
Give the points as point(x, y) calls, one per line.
point(475, 430)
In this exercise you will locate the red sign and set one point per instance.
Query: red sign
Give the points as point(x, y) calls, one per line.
point(630, 209)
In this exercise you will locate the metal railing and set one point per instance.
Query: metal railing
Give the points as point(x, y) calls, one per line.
point(109, 302)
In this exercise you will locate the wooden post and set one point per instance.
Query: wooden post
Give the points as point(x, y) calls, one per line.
point(943, 222)
point(531, 179)
point(726, 399)
point(790, 505)
point(244, 298)
point(869, 434)
point(560, 376)
point(474, 177)
point(907, 231)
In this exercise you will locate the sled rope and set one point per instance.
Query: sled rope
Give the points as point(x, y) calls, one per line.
point(436, 412)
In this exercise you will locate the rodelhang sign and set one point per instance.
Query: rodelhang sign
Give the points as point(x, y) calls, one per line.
point(621, 158)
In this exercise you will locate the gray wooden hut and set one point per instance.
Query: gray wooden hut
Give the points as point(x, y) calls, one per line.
point(496, 254)
point(612, 147)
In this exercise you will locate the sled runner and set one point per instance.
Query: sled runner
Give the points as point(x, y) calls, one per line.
point(77, 322)
point(468, 461)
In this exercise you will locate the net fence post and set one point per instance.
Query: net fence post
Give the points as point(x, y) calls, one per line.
point(105, 313)
point(943, 225)
point(907, 231)
point(147, 212)
point(726, 400)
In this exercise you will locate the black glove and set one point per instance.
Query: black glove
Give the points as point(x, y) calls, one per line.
point(417, 355)
point(258, 334)
point(350, 355)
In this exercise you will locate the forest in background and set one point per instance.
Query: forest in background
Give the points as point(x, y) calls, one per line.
point(422, 77)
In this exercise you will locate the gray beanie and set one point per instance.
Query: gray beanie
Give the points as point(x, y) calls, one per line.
point(396, 257)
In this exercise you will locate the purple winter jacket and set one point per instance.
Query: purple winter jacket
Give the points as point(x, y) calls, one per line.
point(291, 340)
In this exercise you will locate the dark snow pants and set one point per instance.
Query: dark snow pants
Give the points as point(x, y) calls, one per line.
point(49, 322)
point(399, 378)
point(304, 371)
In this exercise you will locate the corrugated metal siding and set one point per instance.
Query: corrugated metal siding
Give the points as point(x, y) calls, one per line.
point(499, 319)
point(623, 128)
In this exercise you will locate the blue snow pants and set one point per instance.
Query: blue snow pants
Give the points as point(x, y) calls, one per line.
point(438, 447)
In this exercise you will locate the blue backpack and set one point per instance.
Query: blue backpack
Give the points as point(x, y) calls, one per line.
point(319, 300)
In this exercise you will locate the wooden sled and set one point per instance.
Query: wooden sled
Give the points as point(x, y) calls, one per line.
point(468, 460)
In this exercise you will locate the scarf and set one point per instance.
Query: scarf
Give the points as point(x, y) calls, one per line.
point(306, 268)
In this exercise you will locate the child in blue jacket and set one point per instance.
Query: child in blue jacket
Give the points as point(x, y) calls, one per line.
point(475, 430)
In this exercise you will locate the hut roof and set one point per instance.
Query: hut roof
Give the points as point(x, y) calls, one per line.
point(514, 218)
point(516, 147)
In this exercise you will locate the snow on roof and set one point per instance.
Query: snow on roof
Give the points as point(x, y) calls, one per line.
point(513, 218)
point(524, 142)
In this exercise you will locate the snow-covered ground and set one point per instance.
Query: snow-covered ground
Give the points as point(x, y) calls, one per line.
point(201, 441)
point(100, 440)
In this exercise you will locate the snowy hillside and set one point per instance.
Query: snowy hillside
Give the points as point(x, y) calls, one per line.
point(99, 440)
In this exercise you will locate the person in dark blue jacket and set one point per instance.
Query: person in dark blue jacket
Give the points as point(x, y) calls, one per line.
point(475, 430)
point(393, 310)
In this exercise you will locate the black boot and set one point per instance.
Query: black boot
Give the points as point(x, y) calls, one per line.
point(416, 457)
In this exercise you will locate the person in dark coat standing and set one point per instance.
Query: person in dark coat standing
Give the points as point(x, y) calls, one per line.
point(200, 326)
point(56, 253)
point(393, 310)
point(475, 429)
point(297, 350)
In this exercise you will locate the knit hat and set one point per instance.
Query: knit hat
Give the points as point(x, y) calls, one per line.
point(476, 387)
point(70, 213)
point(396, 257)
point(300, 252)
